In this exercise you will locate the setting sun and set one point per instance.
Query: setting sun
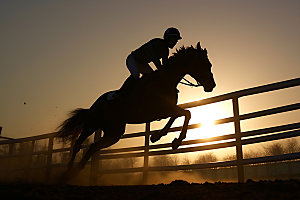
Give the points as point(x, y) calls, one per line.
point(206, 116)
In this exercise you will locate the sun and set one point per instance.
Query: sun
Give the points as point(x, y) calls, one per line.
point(206, 115)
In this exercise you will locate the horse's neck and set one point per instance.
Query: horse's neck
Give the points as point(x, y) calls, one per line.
point(173, 74)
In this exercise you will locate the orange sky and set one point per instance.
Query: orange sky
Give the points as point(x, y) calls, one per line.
point(60, 55)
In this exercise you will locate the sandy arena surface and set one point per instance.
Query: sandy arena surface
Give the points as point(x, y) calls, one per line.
point(175, 190)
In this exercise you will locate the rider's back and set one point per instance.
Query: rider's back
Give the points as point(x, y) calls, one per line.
point(152, 50)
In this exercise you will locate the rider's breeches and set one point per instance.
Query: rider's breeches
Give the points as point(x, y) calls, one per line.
point(137, 68)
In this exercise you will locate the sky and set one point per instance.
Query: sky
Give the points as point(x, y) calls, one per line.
point(56, 56)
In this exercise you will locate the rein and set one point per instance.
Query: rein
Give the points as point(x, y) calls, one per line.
point(188, 83)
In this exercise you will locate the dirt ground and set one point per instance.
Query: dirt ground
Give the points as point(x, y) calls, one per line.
point(175, 190)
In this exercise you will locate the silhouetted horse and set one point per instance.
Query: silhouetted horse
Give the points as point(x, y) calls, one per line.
point(153, 97)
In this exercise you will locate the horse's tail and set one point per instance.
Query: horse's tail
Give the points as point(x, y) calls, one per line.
point(72, 127)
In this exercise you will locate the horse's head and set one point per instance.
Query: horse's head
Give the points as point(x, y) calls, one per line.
point(200, 68)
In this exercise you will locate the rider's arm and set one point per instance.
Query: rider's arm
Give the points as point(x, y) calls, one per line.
point(161, 51)
point(158, 64)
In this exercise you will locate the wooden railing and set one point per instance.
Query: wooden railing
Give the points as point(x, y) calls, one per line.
point(237, 140)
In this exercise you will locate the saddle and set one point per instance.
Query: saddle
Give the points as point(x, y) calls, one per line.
point(129, 84)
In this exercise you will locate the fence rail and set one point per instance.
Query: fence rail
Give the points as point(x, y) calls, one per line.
point(238, 139)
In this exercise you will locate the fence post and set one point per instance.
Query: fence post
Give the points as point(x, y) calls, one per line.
point(95, 161)
point(239, 148)
point(29, 165)
point(49, 158)
point(146, 155)
point(11, 161)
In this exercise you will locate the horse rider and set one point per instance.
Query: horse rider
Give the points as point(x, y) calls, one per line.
point(138, 61)
point(154, 50)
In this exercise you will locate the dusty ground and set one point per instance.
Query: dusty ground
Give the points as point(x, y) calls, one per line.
point(175, 190)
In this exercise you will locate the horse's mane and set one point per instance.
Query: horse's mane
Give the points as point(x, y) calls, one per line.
point(177, 58)
point(180, 55)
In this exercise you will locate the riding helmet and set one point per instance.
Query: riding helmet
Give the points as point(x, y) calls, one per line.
point(172, 32)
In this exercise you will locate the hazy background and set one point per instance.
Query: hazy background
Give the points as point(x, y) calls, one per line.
point(60, 55)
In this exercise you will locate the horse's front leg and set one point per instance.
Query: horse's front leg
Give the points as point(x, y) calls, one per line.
point(156, 136)
point(187, 114)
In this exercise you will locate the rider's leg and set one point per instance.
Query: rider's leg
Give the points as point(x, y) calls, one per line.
point(145, 68)
point(132, 66)
point(130, 81)
point(137, 68)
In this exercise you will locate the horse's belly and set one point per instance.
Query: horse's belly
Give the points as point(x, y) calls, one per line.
point(147, 113)
point(141, 109)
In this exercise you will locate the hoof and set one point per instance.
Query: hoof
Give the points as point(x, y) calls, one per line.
point(176, 143)
point(155, 138)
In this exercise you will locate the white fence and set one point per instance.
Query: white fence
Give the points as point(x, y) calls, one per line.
point(147, 150)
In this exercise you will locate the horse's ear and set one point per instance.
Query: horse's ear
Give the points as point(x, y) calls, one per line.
point(198, 46)
point(205, 51)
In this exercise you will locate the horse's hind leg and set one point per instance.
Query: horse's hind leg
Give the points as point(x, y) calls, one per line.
point(111, 136)
point(74, 150)
point(76, 147)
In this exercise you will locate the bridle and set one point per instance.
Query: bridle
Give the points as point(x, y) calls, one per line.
point(188, 83)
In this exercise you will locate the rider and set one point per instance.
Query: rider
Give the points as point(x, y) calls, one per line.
point(154, 50)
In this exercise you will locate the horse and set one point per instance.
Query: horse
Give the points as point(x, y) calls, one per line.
point(153, 97)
